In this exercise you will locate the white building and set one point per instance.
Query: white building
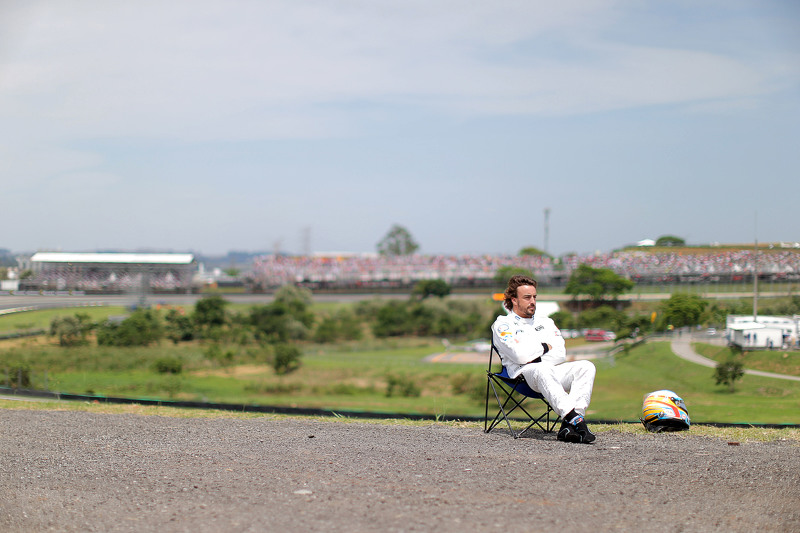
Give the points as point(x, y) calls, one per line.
point(763, 332)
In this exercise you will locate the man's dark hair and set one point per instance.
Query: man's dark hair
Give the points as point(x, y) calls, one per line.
point(513, 284)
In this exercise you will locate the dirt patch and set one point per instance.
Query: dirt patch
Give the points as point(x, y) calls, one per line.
point(238, 371)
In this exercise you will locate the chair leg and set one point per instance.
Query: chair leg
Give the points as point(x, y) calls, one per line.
point(511, 404)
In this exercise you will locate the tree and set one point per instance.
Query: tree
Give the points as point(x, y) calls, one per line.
point(71, 330)
point(728, 371)
point(431, 287)
point(179, 327)
point(341, 325)
point(286, 359)
point(532, 250)
point(597, 283)
point(277, 322)
point(505, 272)
point(670, 240)
point(398, 241)
point(683, 309)
point(209, 312)
point(141, 328)
point(298, 302)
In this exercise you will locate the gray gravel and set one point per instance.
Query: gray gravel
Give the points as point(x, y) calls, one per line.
point(78, 471)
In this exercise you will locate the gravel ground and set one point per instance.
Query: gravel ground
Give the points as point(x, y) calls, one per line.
point(79, 471)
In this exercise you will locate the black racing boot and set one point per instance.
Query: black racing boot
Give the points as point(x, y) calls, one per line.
point(568, 433)
point(587, 437)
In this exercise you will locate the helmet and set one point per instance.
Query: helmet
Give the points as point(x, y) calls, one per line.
point(663, 410)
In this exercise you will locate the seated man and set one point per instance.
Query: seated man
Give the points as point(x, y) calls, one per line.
point(533, 346)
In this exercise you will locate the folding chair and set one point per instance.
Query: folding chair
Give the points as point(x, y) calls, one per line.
point(510, 394)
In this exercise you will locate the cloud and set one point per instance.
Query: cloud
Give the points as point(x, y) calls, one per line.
point(207, 70)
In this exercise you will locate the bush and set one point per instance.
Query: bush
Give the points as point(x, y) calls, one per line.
point(209, 312)
point(285, 359)
point(469, 384)
point(431, 287)
point(19, 376)
point(277, 323)
point(393, 319)
point(727, 372)
point(343, 325)
point(397, 385)
point(71, 330)
point(142, 328)
point(179, 326)
point(168, 365)
point(297, 300)
point(215, 353)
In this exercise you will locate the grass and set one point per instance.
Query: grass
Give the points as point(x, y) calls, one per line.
point(619, 390)
point(40, 319)
point(354, 376)
point(777, 361)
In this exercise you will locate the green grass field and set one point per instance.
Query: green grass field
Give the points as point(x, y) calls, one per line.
point(355, 377)
point(41, 319)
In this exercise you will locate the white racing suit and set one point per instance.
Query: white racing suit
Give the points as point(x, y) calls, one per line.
point(565, 385)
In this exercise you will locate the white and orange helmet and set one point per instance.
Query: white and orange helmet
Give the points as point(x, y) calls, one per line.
point(663, 410)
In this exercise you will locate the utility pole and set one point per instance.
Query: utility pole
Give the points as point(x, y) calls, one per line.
point(755, 272)
point(306, 238)
point(546, 230)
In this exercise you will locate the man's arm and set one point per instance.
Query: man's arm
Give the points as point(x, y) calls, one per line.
point(520, 347)
point(552, 336)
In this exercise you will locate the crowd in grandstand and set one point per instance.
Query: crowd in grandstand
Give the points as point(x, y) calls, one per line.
point(377, 271)
point(276, 270)
point(107, 281)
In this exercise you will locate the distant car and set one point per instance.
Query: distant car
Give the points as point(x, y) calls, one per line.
point(570, 333)
point(479, 345)
point(599, 335)
point(711, 331)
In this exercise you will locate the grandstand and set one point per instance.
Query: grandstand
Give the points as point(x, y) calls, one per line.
point(370, 272)
point(111, 272)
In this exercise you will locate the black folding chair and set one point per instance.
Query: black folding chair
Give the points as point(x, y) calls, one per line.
point(510, 394)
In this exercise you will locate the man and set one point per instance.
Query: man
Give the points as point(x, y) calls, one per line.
point(533, 346)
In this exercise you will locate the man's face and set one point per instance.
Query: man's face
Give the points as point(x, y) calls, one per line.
point(524, 304)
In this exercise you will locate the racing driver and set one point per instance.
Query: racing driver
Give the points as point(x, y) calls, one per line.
point(532, 345)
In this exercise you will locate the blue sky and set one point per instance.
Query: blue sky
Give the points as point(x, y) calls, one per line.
point(316, 125)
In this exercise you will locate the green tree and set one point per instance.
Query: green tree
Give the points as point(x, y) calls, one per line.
point(276, 322)
point(682, 309)
point(142, 328)
point(604, 316)
point(505, 272)
point(71, 330)
point(564, 320)
point(596, 283)
point(297, 301)
point(179, 327)
point(670, 240)
point(342, 325)
point(393, 319)
point(728, 372)
point(431, 287)
point(285, 359)
point(209, 312)
point(398, 241)
point(532, 250)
